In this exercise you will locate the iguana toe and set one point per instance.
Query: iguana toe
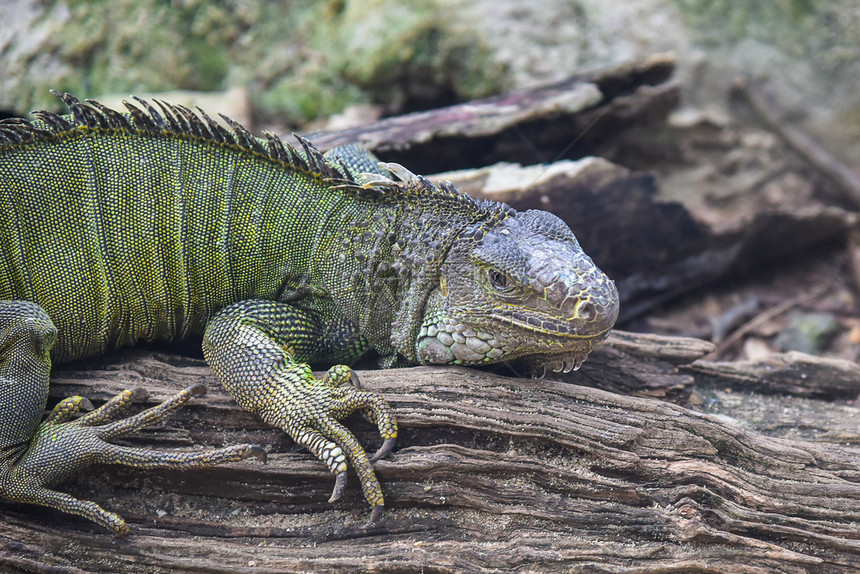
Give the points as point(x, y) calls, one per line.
point(197, 389)
point(384, 450)
point(339, 487)
point(259, 453)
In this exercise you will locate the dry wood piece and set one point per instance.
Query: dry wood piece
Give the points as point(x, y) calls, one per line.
point(536, 124)
point(491, 474)
point(642, 365)
point(793, 373)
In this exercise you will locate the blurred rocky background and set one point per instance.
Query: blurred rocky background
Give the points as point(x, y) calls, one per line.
point(289, 63)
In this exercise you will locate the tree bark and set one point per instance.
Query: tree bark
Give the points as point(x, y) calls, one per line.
point(492, 474)
point(570, 118)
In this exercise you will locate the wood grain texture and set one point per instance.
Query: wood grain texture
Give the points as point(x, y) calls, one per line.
point(492, 474)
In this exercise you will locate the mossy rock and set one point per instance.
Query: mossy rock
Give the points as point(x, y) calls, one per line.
point(299, 60)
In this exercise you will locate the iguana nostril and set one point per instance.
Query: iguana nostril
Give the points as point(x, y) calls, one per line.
point(586, 311)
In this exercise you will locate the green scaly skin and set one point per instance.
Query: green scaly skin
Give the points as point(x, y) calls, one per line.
point(159, 224)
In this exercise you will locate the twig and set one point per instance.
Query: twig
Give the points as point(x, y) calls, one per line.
point(853, 250)
point(767, 315)
point(843, 176)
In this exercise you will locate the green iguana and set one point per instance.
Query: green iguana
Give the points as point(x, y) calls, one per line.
point(161, 224)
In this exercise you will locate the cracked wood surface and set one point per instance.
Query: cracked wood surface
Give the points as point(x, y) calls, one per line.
point(491, 474)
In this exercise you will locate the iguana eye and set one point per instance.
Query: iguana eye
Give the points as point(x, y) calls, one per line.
point(499, 280)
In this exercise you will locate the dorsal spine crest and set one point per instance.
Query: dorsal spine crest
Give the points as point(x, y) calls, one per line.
point(173, 120)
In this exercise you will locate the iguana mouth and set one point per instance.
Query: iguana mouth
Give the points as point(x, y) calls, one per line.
point(547, 325)
point(539, 365)
point(446, 341)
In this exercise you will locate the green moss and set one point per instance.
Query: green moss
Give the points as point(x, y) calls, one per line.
point(397, 54)
point(821, 35)
point(301, 98)
point(403, 53)
point(300, 59)
point(125, 45)
point(781, 22)
point(808, 332)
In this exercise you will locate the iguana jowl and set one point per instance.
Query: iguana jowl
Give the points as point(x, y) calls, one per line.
point(160, 224)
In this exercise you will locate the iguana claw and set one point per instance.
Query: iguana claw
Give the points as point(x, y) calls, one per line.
point(384, 450)
point(339, 487)
point(259, 453)
point(198, 389)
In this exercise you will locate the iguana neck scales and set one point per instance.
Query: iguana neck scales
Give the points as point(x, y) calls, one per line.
point(161, 223)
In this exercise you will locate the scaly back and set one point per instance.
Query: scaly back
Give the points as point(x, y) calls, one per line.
point(140, 226)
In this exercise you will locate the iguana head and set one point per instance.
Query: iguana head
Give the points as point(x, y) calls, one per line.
point(517, 288)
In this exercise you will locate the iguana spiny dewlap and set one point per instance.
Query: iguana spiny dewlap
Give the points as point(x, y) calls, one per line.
point(160, 224)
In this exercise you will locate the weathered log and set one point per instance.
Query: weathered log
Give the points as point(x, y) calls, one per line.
point(492, 474)
point(792, 373)
point(571, 118)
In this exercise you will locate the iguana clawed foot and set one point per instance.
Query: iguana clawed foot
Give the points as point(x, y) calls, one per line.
point(310, 416)
point(340, 375)
point(251, 348)
point(62, 446)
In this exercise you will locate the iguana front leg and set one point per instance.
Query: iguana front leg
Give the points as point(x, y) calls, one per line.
point(36, 456)
point(254, 347)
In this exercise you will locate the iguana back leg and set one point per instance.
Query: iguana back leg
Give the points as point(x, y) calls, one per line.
point(255, 348)
point(36, 456)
